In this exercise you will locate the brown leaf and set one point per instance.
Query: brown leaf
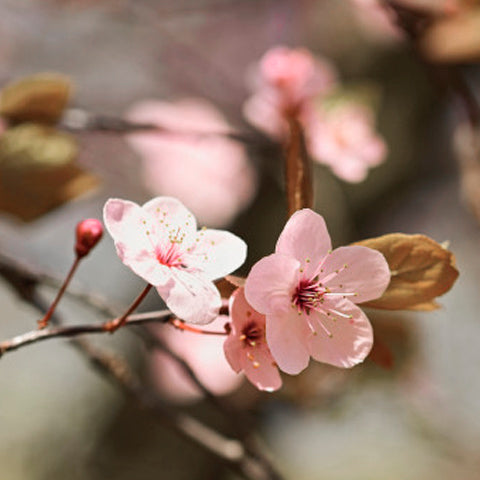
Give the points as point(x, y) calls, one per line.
point(37, 171)
point(229, 284)
point(453, 39)
point(421, 271)
point(298, 175)
point(236, 280)
point(38, 98)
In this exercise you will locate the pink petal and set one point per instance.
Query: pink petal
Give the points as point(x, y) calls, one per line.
point(287, 335)
point(367, 273)
point(242, 313)
point(128, 224)
point(262, 113)
point(216, 253)
point(170, 217)
point(260, 368)
point(305, 237)
point(351, 338)
point(191, 297)
point(233, 349)
point(350, 167)
point(203, 353)
point(272, 282)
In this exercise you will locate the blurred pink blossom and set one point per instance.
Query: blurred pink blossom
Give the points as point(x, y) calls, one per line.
point(345, 140)
point(284, 82)
point(209, 173)
point(291, 83)
point(308, 293)
point(160, 242)
point(246, 348)
point(204, 354)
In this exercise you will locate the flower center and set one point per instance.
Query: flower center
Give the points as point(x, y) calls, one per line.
point(308, 296)
point(252, 334)
point(171, 256)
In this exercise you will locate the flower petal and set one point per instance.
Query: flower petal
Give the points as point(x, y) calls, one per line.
point(361, 270)
point(171, 219)
point(343, 342)
point(191, 297)
point(129, 226)
point(272, 282)
point(260, 368)
point(242, 313)
point(233, 349)
point(287, 335)
point(216, 253)
point(305, 237)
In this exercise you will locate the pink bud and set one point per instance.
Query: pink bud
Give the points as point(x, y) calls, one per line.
point(89, 232)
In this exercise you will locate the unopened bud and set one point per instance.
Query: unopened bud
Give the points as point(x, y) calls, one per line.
point(89, 232)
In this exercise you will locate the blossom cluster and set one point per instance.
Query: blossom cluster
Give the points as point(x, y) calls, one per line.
point(292, 84)
point(297, 303)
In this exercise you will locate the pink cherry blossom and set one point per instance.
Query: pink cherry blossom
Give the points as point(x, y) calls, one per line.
point(205, 356)
point(246, 347)
point(308, 294)
point(160, 242)
point(210, 173)
point(345, 140)
point(284, 82)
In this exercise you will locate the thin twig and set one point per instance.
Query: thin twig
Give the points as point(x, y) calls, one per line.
point(71, 331)
point(77, 120)
point(230, 451)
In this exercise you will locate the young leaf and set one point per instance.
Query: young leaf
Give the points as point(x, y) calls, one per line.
point(38, 98)
point(421, 270)
point(37, 171)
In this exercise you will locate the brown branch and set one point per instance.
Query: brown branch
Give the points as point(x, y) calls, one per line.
point(71, 331)
point(243, 456)
point(243, 423)
point(414, 22)
point(298, 174)
point(77, 120)
point(232, 452)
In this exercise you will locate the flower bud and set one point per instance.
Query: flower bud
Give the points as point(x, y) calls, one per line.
point(89, 232)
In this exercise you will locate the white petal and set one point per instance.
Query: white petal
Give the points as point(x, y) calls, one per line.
point(191, 297)
point(216, 253)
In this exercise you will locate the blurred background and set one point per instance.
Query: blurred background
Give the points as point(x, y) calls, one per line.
point(418, 419)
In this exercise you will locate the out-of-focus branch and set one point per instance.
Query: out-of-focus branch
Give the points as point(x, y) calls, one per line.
point(414, 22)
point(249, 462)
point(242, 422)
point(25, 278)
point(77, 120)
point(112, 367)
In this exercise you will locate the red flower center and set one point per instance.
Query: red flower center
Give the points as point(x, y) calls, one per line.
point(171, 256)
point(308, 296)
point(252, 333)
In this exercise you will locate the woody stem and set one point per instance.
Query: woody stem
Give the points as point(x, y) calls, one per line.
point(44, 321)
point(188, 328)
point(115, 324)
